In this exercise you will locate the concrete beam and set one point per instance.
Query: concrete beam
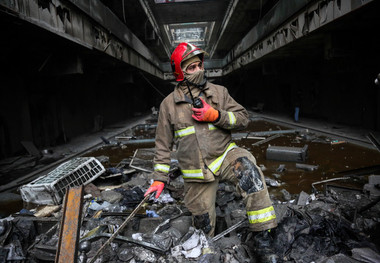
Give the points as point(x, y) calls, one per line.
point(210, 73)
point(268, 36)
point(213, 69)
point(226, 20)
point(88, 23)
point(285, 23)
point(148, 12)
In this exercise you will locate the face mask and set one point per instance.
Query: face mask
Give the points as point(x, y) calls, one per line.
point(196, 77)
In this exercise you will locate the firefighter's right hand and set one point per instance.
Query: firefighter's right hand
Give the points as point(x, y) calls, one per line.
point(157, 187)
point(206, 113)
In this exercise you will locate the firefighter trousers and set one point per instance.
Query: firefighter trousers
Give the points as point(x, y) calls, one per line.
point(239, 167)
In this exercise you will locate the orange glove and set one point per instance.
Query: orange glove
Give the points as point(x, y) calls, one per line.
point(156, 186)
point(206, 114)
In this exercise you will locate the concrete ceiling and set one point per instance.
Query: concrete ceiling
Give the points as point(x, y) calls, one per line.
point(227, 21)
point(238, 33)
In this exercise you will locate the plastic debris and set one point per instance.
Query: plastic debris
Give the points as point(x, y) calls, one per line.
point(96, 206)
point(137, 236)
point(151, 213)
point(272, 182)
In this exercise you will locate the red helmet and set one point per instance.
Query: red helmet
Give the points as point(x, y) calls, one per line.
point(183, 52)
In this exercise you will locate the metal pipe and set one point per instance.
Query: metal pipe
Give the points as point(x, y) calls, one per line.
point(120, 228)
point(329, 180)
point(232, 228)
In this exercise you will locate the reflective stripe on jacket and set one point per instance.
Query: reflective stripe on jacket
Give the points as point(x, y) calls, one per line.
point(201, 146)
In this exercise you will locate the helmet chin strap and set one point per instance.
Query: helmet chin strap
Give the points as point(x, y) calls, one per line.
point(199, 86)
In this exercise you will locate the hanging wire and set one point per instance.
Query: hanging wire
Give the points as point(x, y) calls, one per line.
point(261, 8)
point(152, 85)
point(125, 21)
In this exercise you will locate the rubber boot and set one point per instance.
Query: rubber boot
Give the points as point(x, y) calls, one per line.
point(263, 248)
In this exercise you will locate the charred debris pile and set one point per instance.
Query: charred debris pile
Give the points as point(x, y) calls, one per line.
point(328, 223)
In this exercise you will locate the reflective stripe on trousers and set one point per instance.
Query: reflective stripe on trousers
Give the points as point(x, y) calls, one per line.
point(261, 216)
point(162, 167)
point(193, 174)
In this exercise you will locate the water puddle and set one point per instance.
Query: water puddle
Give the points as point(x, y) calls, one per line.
point(334, 158)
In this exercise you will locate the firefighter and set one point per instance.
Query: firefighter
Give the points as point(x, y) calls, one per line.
point(198, 117)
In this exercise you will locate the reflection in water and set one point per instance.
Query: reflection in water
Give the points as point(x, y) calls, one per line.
point(332, 157)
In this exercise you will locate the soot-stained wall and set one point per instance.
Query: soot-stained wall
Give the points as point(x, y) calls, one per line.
point(51, 110)
point(338, 90)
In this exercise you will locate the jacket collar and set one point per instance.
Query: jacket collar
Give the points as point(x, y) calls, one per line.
point(179, 96)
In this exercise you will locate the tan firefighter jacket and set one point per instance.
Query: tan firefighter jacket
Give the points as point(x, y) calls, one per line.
point(200, 146)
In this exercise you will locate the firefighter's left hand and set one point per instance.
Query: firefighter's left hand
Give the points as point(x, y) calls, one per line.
point(205, 114)
point(157, 187)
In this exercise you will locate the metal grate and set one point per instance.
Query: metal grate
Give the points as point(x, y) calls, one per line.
point(51, 188)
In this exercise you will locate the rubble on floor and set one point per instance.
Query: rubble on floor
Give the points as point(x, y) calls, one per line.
point(323, 227)
point(334, 223)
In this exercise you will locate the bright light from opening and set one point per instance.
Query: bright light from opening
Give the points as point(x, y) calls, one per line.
point(188, 34)
point(196, 33)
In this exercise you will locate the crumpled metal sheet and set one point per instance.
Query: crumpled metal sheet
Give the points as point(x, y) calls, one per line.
point(365, 254)
point(193, 247)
